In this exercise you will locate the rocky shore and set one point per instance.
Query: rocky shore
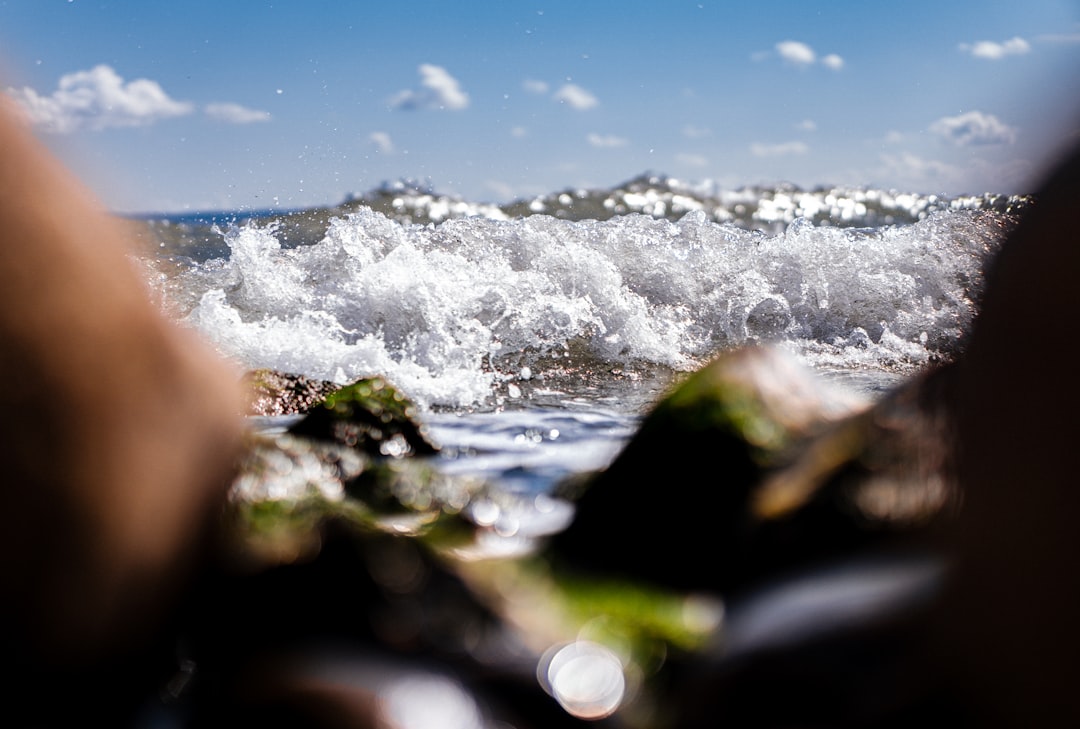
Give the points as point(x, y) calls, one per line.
point(748, 480)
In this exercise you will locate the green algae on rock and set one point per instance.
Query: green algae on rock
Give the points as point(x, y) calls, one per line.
point(370, 415)
point(672, 508)
point(753, 465)
point(291, 487)
point(331, 467)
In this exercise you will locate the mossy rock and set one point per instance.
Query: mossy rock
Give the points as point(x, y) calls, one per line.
point(290, 487)
point(753, 466)
point(348, 460)
point(370, 415)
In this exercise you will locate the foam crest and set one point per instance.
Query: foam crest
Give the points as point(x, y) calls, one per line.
point(450, 311)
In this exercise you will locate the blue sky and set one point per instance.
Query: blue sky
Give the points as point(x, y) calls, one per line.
point(169, 106)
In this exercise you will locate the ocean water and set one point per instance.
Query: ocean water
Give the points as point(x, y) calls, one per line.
point(534, 335)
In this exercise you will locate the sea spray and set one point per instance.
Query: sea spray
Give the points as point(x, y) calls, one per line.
point(451, 312)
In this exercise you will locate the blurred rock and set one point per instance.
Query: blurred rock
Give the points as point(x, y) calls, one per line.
point(340, 638)
point(751, 474)
point(335, 603)
point(752, 466)
point(280, 393)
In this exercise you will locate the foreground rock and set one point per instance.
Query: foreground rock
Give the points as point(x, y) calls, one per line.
point(751, 466)
point(349, 459)
point(336, 604)
point(751, 470)
point(332, 533)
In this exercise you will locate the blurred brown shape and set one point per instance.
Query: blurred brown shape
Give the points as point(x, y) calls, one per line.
point(118, 432)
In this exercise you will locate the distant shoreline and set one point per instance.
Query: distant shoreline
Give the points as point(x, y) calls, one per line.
point(768, 208)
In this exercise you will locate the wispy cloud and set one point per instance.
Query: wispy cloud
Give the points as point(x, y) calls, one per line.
point(781, 149)
point(533, 86)
point(1059, 38)
point(802, 55)
point(97, 99)
point(236, 114)
point(575, 97)
point(807, 125)
point(693, 132)
point(382, 141)
point(833, 61)
point(917, 172)
point(973, 128)
point(569, 94)
point(994, 51)
point(437, 90)
point(502, 190)
point(606, 140)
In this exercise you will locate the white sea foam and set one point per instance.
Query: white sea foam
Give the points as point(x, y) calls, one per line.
point(451, 311)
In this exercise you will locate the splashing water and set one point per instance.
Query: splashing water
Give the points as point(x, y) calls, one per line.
point(473, 309)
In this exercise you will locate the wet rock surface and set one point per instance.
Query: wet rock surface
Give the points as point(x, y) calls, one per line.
point(766, 470)
point(370, 415)
point(280, 393)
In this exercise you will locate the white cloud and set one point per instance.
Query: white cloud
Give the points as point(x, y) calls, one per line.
point(438, 90)
point(800, 54)
point(382, 141)
point(910, 172)
point(807, 125)
point(973, 128)
point(782, 149)
point(993, 51)
point(894, 137)
point(796, 52)
point(692, 160)
point(236, 114)
point(535, 87)
point(576, 97)
point(833, 61)
point(609, 140)
point(519, 132)
point(98, 99)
